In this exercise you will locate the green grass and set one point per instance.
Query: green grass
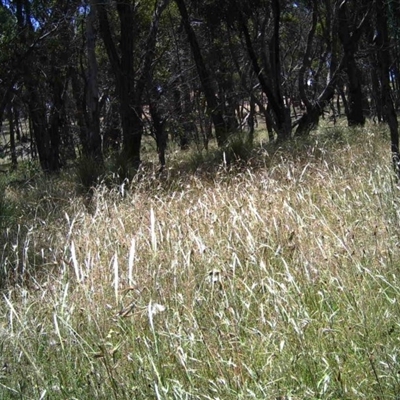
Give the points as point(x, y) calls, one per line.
point(275, 279)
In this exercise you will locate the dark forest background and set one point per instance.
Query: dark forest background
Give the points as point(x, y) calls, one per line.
point(85, 80)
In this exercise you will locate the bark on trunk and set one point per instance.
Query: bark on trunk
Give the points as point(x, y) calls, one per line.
point(355, 115)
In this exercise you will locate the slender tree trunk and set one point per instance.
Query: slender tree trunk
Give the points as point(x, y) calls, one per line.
point(383, 49)
point(47, 115)
point(124, 73)
point(12, 136)
point(178, 110)
point(376, 89)
point(342, 94)
point(80, 104)
point(158, 121)
point(355, 114)
point(129, 95)
point(310, 119)
point(32, 145)
point(49, 160)
point(251, 120)
point(92, 95)
point(221, 130)
point(17, 125)
point(55, 118)
point(283, 123)
point(112, 131)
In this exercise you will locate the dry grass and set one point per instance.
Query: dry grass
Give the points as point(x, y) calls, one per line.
point(277, 283)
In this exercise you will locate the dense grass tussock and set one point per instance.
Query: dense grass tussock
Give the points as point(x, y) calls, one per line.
point(278, 282)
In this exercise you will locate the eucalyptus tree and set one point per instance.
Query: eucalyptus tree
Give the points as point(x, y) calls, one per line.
point(85, 86)
point(259, 23)
point(130, 48)
point(9, 60)
point(215, 106)
point(93, 89)
point(324, 17)
point(186, 97)
point(220, 46)
point(352, 19)
point(39, 64)
point(330, 17)
point(382, 42)
point(280, 52)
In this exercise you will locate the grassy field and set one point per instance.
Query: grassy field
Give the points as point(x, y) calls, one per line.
point(277, 278)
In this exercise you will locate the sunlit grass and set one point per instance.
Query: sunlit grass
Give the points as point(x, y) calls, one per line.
point(274, 280)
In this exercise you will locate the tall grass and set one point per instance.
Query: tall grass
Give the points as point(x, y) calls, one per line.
point(276, 283)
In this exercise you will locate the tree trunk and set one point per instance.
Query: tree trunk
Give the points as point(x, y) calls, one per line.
point(129, 95)
point(355, 114)
point(12, 136)
point(282, 113)
point(383, 45)
point(310, 119)
point(342, 94)
point(112, 131)
point(376, 89)
point(48, 156)
point(182, 113)
point(124, 73)
point(221, 131)
point(251, 120)
point(158, 121)
point(55, 118)
point(80, 107)
point(283, 123)
point(92, 96)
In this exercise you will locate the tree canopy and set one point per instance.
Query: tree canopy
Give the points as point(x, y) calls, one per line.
point(92, 77)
